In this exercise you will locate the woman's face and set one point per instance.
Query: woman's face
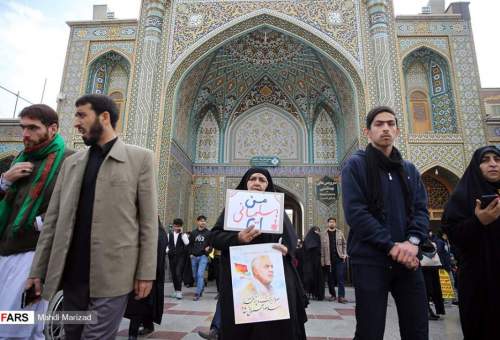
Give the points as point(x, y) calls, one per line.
point(257, 182)
point(490, 167)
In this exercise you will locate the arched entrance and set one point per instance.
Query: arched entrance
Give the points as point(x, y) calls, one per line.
point(439, 184)
point(304, 96)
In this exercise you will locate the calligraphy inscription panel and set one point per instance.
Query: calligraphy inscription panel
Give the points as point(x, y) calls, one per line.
point(326, 191)
point(258, 283)
point(262, 209)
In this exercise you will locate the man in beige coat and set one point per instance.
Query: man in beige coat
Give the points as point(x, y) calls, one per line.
point(333, 258)
point(100, 232)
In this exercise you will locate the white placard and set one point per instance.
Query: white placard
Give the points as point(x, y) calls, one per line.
point(262, 209)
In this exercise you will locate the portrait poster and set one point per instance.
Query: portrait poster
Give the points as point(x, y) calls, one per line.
point(262, 209)
point(258, 282)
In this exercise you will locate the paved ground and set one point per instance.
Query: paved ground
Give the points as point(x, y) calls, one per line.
point(327, 320)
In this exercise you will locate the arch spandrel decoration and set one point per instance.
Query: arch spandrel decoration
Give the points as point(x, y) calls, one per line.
point(195, 20)
point(266, 131)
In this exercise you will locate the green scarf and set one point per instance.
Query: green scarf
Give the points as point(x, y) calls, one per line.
point(52, 155)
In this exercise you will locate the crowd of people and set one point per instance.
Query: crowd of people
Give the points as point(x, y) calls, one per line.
point(87, 222)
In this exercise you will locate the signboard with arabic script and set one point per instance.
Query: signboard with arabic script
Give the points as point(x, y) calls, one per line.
point(258, 282)
point(265, 161)
point(326, 190)
point(262, 209)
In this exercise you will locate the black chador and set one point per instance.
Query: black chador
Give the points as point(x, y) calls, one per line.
point(479, 247)
point(314, 282)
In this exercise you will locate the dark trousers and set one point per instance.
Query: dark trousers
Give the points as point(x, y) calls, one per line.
point(433, 288)
point(177, 263)
point(372, 285)
point(335, 276)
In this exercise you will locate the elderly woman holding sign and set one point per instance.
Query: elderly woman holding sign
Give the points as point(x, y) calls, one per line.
point(258, 179)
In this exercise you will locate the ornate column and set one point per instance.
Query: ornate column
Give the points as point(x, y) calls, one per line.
point(146, 79)
point(380, 40)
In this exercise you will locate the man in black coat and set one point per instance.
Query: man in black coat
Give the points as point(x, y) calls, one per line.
point(177, 251)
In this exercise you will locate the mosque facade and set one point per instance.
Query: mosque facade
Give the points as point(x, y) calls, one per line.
point(216, 86)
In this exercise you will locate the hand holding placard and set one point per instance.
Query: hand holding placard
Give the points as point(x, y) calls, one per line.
point(248, 234)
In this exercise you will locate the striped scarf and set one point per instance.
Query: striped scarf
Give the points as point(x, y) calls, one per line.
point(51, 154)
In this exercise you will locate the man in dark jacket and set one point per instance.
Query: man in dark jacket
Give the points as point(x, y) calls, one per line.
point(200, 248)
point(385, 205)
point(25, 191)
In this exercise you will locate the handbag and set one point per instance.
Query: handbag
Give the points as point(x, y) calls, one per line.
point(430, 258)
point(430, 261)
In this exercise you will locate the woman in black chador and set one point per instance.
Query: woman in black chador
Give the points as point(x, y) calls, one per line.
point(314, 282)
point(476, 233)
point(291, 329)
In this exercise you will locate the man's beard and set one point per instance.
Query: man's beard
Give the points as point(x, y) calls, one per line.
point(95, 133)
point(29, 144)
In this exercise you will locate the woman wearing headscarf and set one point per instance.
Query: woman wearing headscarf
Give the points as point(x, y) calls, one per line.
point(260, 180)
point(314, 282)
point(475, 231)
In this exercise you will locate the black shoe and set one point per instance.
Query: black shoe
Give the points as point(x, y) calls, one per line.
point(211, 335)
